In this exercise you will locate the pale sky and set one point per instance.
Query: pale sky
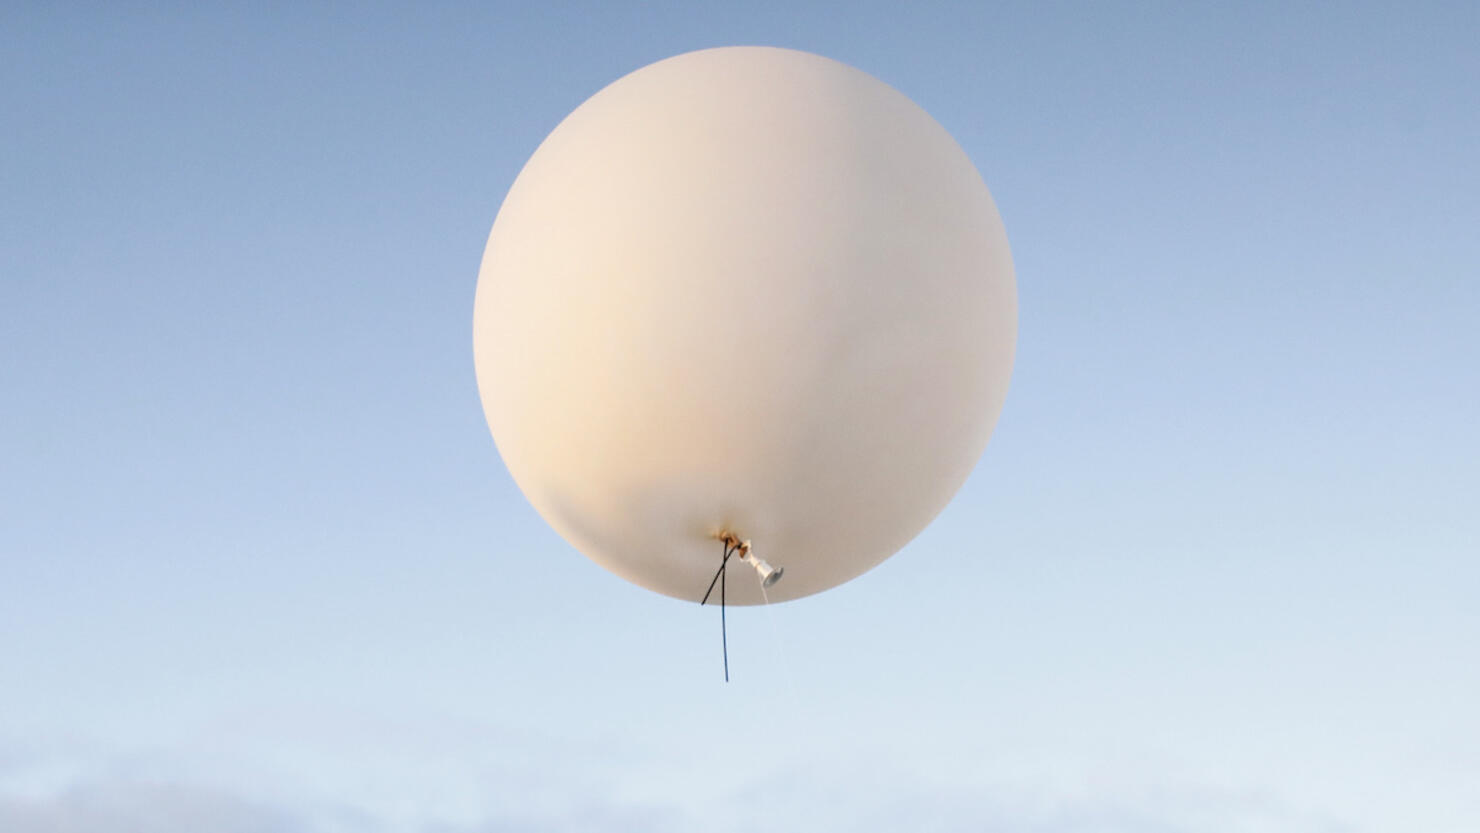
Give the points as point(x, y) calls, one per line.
point(261, 568)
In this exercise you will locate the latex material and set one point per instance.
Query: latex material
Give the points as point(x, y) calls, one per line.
point(750, 290)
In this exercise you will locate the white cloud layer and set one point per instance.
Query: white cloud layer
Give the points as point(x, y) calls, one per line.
point(451, 786)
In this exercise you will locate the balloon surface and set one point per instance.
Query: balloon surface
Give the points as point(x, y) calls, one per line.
point(746, 291)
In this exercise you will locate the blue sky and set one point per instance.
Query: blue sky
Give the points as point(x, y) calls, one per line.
point(262, 570)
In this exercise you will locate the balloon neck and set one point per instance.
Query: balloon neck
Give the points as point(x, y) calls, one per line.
point(769, 574)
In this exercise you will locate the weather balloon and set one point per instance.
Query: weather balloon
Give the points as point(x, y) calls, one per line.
point(750, 295)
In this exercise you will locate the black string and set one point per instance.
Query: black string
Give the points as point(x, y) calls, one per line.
point(721, 570)
point(719, 576)
point(724, 635)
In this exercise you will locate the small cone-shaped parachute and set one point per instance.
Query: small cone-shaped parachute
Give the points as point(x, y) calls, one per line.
point(748, 294)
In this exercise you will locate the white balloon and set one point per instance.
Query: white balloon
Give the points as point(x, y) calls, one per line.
point(750, 291)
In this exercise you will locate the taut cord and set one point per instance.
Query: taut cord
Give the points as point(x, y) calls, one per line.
point(729, 551)
point(719, 576)
point(724, 634)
